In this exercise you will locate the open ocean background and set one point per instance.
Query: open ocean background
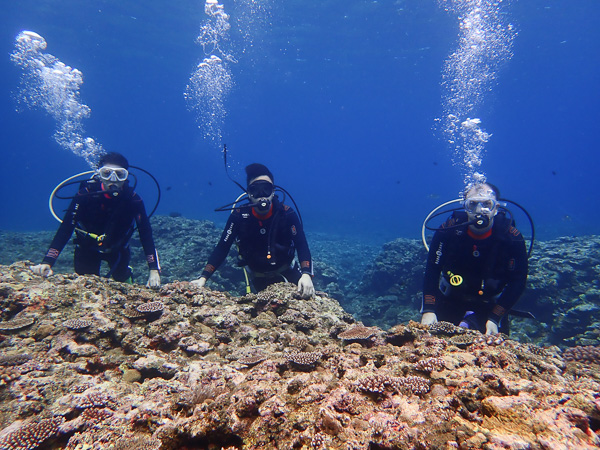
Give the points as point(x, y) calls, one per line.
point(339, 98)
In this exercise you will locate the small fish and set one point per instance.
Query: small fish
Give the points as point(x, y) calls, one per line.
point(168, 188)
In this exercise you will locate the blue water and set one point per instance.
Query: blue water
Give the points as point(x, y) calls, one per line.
point(339, 98)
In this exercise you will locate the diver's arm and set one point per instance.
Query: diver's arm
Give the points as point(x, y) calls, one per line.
point(433, 269)
point(63, 234)
point(300, 242)
point(517, 279)
point(145, 231)
point(221, 251)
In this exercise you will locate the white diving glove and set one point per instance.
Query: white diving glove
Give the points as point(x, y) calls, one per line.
point(153, 279)
point(428, 318)
point(491, 327)
point(200, 282)
point(306, 287)
point(43, 270)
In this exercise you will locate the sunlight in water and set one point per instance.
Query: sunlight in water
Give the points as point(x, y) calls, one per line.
point(485, 43)
point(49, 84)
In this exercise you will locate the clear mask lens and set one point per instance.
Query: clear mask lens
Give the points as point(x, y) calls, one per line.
point(480, 205)
point(113, 174)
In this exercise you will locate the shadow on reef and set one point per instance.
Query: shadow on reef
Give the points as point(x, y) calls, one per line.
point(378, 286)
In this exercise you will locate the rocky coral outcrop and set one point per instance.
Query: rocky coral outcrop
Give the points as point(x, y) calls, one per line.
point(380, 286)
point(210, 370)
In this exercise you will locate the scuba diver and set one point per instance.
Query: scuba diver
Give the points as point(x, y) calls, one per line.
point(104, 214)
point(476, 266)
point(268, 234)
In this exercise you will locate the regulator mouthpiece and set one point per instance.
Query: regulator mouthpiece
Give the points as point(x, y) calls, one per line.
point(263, 204)
point(481, 221)
point(113, 190)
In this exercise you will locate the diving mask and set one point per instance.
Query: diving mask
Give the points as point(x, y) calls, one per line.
point(260, 189)
point(261, 195)
point(480, 205)
point(114, 174)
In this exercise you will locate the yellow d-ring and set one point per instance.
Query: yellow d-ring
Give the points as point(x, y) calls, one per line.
point(456, 280)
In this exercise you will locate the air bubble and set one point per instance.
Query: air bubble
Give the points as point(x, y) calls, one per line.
point(212, 81)
point(49, 84)
point(485, 43)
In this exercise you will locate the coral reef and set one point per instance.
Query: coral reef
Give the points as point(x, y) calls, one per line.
point(380, 286)
point(206, 369)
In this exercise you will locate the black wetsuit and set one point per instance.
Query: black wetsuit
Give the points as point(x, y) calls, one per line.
point(266, 244)
point(483, 274)
point(114, 217)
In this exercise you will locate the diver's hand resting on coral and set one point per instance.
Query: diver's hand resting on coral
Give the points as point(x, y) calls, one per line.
point(200, 282)
point(43, 270)
point(491, 327)
point(428, 318)
point(153, 279)
point(306, 287)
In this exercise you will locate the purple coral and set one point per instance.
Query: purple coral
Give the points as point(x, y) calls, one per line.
point(93, 416)
point(446, 328)
point(379, 384)
point(96, 400)
point(77, 324)
point(31, 435)
point(416, 385)
point(356, 333)
point(375, 384)
point(304, 359)
point(150, 307)
point(81, 388)
point(430, 364)
point(252, 360)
